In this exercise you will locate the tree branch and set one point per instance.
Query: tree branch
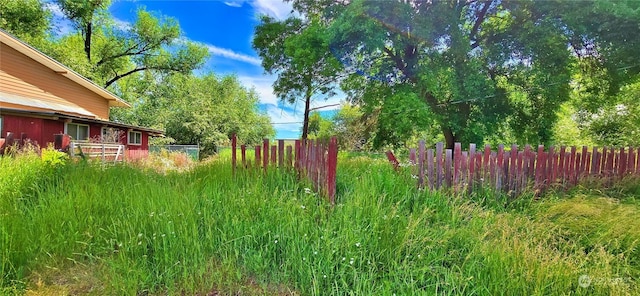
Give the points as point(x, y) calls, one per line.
point(476, 26)
point(114, 79)
point(127, 52)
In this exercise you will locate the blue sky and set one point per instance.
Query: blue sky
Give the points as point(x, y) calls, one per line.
point(226, 28)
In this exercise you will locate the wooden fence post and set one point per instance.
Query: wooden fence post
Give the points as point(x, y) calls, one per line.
point(595, 164)
point(447, 167)
point(233, 154)
point(487, 163)
point(472, 168)
point(289, 156)
point(412, 156)
point(243, 154)
point(430, 171)
point(457, 158)
point(499, 167)
point(332, 165)
point(265, 155)
point(584, 165)
point(622, 167)
point(512, 171)
point(421, 160)
point(439, 167)
point(280, 153)
point(575, 165)
point(258, 156)
point(298, 157)
point(392, 159)
point(631, 161)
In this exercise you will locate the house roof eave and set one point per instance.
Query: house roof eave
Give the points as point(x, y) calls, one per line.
point(57, 115)
point(59, 68)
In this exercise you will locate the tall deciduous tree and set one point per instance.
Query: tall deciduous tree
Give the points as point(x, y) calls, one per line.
point(478, 66)
point(297, 51)
point(152, 43)
point(84, 15)
point(204, 110)
point(24, 18)
point(458, 57)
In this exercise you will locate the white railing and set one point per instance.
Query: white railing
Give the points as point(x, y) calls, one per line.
point(106, 152)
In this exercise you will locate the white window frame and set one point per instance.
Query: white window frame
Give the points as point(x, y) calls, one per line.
point(74, 137)
point(129, 142)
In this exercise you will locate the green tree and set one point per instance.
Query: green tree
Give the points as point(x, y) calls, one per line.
point(85, 15)
point(353, 128)
point(203, 110)
point(319, 127)
point(479, 67)
point(616, 123)
point(26, 19)
point(151, 43)
point(458, 58)
point(297, 51)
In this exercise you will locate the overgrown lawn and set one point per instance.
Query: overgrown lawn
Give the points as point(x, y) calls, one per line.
point(84, 229)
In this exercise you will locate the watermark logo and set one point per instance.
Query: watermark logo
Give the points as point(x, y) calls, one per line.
point(584, 281)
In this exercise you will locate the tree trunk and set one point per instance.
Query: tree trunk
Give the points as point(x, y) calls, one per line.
point(449, 137)
point(87, 40)
point(305, 124)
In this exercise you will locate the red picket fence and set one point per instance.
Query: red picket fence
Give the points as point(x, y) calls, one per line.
point(515, 170)
point(315, 160)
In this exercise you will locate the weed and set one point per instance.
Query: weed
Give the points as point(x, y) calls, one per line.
point(125, 230)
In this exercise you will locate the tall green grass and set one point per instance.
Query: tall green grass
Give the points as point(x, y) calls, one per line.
point(117, 230)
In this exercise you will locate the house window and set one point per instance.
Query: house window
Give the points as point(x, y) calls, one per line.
point(78, 132)
point(135, 138)
point(110, 135)
point(1, 132)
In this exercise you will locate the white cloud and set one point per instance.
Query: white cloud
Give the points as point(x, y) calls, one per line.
point(54, 9)
point(121, 25)
point(287, 118)
point(275, 8)
point(263, 85)
point(227, 53)
point(234, 3)
point(61, 24)
point(285, 121)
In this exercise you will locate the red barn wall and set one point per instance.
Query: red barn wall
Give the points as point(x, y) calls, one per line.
point(50, 128)
point(18, 125)
point(38, 130)
point(41, 131)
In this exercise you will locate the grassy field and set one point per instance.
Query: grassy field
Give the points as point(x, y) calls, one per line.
point(78, 228)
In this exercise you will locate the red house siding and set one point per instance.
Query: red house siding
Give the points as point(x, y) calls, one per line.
point(135, 152)
point(41, 131)
point(50, 128)
point(32, 127)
